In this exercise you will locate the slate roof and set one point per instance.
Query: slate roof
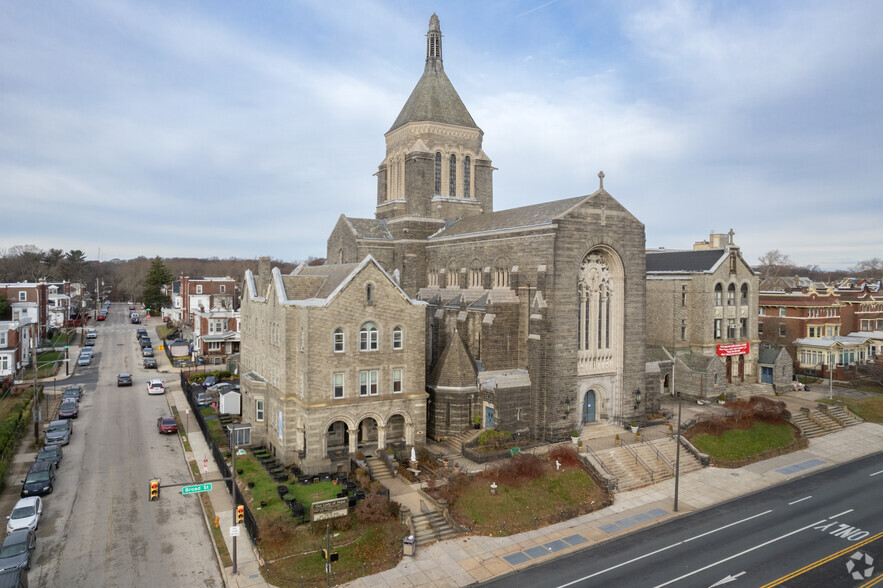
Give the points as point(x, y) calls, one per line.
point(455, 368)
point(369, 228)
point(526, 216)
point(318, 281)
point(768, 356)
point(656, 353)
point(695, 361)
point(434, 98)
point(683, 261)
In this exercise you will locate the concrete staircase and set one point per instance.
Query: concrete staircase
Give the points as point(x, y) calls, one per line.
point(453, 443)
point(431, 526)
point(379, 469)
point(824, 419)
point(649, 467)
point(747, 389)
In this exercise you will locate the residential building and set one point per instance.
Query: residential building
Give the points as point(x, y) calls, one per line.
point(29, 302)
point(190, 295)
point(216, 335)
point(15, 346)
point(786, 316)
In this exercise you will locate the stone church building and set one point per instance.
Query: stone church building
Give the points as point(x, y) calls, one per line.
point(535, 316)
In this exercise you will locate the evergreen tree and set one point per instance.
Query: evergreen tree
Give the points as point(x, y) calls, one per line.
point(157, 276)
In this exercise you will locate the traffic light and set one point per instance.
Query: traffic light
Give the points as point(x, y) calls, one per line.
point(329, 557)
point(154, 490)
point(240, 514)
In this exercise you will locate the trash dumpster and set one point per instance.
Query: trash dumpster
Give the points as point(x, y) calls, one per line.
point(409, 545)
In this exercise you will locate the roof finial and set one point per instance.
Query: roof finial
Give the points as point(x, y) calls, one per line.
point(433, 44)
point(601, 177)
point(731, 233)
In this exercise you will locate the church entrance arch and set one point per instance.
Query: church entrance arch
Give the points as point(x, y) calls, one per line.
point(589, 401)
point(367, 435)
point(395, 430)
point(337, 439)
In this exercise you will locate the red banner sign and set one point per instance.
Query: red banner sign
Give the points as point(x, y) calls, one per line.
point(734, 349)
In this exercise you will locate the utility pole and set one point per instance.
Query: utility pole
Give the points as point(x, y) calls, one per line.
point(233, 475)
point(678, 449)
point(327, 556)
point(34, 404)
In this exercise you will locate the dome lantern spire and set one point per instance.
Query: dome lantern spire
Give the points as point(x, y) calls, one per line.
point(434, 45)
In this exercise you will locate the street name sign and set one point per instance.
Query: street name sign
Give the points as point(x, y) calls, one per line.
point(196, 488)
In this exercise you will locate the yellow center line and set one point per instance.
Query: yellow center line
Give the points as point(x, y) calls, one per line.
point(826, 559)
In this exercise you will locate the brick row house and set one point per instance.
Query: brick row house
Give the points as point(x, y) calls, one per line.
point(216, 335)
point(15, 346)
point(28, 302)
point(191, 295)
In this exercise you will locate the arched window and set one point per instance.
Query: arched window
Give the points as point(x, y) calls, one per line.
point(501, 277)
point(453, 276)
point(718, 295)
point(600, 309)
point(744, 294)
point(731, 295)
point(437, 172)
point(397, 338)
point(475, 275)
point(369, 294)
point(338, 340)
point(467, 176)
point(452, 173)
point(368, 337)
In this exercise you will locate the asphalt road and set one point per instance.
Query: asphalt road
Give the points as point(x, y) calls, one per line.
point(820, 530)
point(98, 527)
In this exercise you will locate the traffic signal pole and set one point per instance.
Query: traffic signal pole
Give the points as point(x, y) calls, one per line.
point(233, 476)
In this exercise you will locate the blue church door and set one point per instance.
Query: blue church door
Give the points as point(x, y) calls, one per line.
point(488, 417)
point(589, 407)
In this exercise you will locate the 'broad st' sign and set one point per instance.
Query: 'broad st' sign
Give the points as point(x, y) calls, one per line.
point(196, 488)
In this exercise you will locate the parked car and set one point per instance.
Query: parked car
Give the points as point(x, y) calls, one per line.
point(89, 343)
point(167, 424)
point(147, 351)
point(40, 479)
point(50, 453)
point(84, 360)
point(15, 552)
point(124, 380)
point(141, 331)
point(221, 386)
point(209, 382)
point(145, 342)
point(91, 333)
point(156, 387)
point(149, 363)
point(58, 432)
point(204, 399)
point(101, 316)
point(68, 409)
point(73, 391)
point(136, 320)
point(166, 319)
point(25, 514)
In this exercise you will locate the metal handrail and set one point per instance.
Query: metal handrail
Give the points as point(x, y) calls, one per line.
point(659, 455)
point(638, 460)
point(591, 452)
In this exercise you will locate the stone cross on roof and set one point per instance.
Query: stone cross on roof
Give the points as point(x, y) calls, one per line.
point(601, 177)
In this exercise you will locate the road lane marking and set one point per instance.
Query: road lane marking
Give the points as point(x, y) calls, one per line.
point(741, 553)
point(640, 557)
point(875, 473)
point(841, 514)
point(727, 579)
point(801, 500)
point(824, 560)
point(726, 526)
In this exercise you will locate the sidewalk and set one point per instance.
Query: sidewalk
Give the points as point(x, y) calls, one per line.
point(467, 560)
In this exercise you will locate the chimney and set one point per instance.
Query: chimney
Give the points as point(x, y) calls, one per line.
point(263, 275)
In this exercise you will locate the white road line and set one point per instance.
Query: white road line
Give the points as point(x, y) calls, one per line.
point(842, 513)
point(625, 563)
point(726, 526)
point(801, 500)
point(735, 555)
point(875, 473)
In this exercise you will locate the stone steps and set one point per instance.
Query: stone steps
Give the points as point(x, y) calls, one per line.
point(453, 443)
point(809, 427)
point(379, 469)
point(814, 422)
point(630, 474)
point(430, 527)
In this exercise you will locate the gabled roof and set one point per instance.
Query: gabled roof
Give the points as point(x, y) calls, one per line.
point(703, 260)
point(535, 215)
point(369, 228)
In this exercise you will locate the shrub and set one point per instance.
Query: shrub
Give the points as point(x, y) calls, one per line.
point(494, 438)
point(565, 454)
point(374, 509)
point(523, 466)
point(767, 409)
point(457, 484)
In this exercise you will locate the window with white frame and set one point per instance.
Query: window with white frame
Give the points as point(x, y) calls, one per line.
point(782, 311)
point(397, 340)
point(338, 340)
point(717, 328)
point(3, 338)
point(783, 331)
point(338, 385)
point(22, 296)
point(259, 410)
point(199, 288)
point(718, 295)
point(4, 362)
point(368, 383)
point(731, 295)
point(761, 311)
point(214, 345)
point(222, 288)
point(396, 380)
point(368, 337)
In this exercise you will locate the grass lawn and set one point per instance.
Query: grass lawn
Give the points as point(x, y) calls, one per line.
point(163, 331)
point(215, 428)
point(556, 495)
point(870, 409)
point(739, 444)
point(46, 362)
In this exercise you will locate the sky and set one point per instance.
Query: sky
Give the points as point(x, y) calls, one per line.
point(241, 129)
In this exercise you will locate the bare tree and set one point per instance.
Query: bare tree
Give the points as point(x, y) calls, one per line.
point(869, 268)
point(773, 264)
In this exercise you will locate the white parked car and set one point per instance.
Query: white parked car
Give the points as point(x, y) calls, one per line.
point(155, 387)
point(26, 514)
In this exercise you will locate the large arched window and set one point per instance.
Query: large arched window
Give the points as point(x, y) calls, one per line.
point(718, 295)
point(600, 292)
point(368, 337)
point(731, 295)
point(452, 173)
point(437, 172)
point(744, 298)
point(467, 176)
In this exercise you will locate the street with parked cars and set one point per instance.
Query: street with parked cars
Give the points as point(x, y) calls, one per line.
point(93, 524)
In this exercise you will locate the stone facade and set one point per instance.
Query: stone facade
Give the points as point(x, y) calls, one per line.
point(332, 363)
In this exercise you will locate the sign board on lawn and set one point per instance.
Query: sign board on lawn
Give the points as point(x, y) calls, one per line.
point(329, 509)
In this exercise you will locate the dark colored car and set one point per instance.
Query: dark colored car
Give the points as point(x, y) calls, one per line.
point(40, 479)
point(145, 342)
point(58, 432)
point(209, 382)
point(68, 409)
point(147, 351)
point(51, 453)
point(136, 320)
point(15, 552)
point(124, 380)
point(141, 331)
point(150, 363)
point(167, 424)
point(73, 392)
